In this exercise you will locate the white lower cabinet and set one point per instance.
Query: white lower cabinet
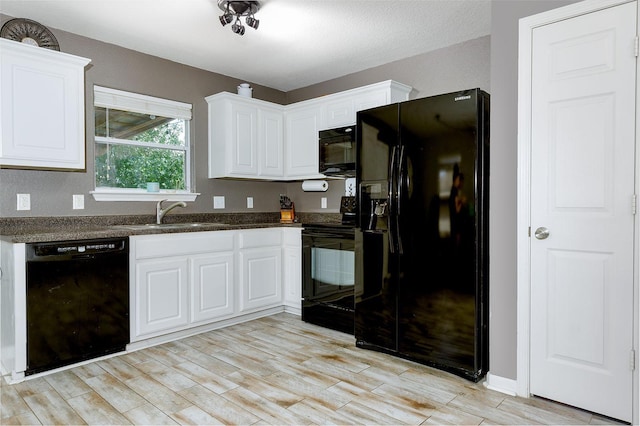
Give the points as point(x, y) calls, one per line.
point(180, 281)
point(260, 281)
point(186, 280)
point(292, 269)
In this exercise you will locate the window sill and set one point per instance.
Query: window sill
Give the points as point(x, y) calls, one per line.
point(115, 195)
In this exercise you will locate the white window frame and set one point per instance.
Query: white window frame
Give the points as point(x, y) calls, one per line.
point(134, 102)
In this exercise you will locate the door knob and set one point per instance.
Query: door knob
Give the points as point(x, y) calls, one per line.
point(542, 233)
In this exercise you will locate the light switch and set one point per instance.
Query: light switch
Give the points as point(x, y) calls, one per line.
point(249, 202)
point(218, 201)
point(78, 201)
point(323, 202)
point(24, 202)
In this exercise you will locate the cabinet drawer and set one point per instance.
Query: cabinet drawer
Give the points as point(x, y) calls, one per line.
point(154, 246)
point(260, 238)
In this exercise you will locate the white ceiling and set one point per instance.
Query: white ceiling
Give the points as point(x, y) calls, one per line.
point(298, 42)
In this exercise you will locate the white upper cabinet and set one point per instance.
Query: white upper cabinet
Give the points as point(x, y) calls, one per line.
point(245, 137)
point(301, 147)
point(270, 143)
point(42, 108)
point(340, 109)
point(253, 139)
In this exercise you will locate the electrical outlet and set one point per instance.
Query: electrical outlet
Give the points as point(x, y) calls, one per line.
point(24, 202)
point(323, 202)
point(249, 202)
point(350, 187)
point(218, 201)
point(78, 201)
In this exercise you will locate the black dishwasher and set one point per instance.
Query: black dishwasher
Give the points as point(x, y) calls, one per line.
point(77, 301)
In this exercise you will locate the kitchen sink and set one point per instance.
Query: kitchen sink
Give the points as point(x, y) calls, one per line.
point(189, 225)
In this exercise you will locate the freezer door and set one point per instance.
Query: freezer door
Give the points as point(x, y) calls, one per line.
point(376, 259)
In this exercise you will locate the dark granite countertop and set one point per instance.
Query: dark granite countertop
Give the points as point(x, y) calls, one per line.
point(65, 228)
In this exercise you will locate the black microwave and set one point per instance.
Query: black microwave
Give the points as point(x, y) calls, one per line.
point(338, 151)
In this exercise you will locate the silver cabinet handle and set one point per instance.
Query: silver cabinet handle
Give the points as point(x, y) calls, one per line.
point(542, 233)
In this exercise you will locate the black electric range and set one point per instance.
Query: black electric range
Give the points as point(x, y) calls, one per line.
point(328, 268)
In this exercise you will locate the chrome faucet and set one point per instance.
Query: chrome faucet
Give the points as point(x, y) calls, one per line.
point(160, 212)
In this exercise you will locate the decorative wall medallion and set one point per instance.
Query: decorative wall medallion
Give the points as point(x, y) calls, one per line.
point(29, 32)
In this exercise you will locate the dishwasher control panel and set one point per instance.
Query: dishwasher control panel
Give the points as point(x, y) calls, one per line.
point(66, 248)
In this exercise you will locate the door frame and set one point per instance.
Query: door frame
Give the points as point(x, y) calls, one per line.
point(526, 27)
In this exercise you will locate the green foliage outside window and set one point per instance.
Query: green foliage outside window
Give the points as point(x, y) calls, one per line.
point(123, 165)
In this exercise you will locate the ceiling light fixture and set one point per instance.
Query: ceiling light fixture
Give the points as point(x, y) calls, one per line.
point(237, 9)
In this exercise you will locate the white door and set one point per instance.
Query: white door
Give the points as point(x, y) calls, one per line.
point(582, 186)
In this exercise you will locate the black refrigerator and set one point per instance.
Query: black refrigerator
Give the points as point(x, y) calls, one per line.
point(422, 175)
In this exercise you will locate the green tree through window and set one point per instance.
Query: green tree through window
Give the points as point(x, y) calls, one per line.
point(132, 166)
point(133, 147)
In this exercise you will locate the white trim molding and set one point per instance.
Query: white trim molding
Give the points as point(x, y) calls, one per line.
point(102, 194)
point(500, 384)
point(119, 99)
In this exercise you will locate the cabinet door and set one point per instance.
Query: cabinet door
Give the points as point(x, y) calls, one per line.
point(340, 112)
point(292, 277)
point(211, 286)
point(42, 108)
point(292, 269)
point(301, 142)
point(271, 143)
point(244, 139)
point(161, 303)
point(371, 99)
point(260, 278)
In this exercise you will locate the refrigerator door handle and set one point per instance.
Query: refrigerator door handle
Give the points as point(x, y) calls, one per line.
point(391, 202)
point(399, 192)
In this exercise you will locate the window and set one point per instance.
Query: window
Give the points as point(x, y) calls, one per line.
point(141, 139)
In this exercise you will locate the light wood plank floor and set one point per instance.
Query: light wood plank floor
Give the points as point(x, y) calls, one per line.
point(275, 370)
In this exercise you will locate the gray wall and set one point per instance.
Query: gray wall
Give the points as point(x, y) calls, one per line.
point(504, 158)
point(458, 67)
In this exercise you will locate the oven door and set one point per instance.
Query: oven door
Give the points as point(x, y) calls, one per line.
point(328, 278)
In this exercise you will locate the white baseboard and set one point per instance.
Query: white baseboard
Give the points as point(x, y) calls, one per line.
point(501, 384)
